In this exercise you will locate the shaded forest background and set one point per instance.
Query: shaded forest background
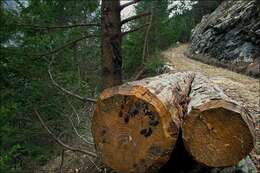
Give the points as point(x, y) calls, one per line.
point(43, 43)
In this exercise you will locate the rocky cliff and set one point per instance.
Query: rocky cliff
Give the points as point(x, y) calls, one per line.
point(231, 36)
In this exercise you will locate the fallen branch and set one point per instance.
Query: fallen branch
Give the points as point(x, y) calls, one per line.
point(133, 30)
point(58, 141)
point(84, 99)
point(135, 17)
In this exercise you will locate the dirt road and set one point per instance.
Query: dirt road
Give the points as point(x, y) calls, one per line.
point(240, 87)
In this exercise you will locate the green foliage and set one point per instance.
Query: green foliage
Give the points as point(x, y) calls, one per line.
point(153, 64)
point(26, 85)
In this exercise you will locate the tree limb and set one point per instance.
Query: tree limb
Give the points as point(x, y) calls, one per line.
point(62, 160)
point(133, 30)
point(39, 27)
point(66, 45)
point(84, 99)
point(59, 141)
point(73, 125)
point(128, 4)
point(146, 36)
point(77, 133)
point(135, 17)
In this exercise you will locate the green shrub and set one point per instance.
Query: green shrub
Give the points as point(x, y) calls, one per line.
point(153, 64)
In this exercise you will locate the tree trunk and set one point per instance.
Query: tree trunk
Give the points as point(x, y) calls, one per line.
point(111, 43)
point(217, 130)
point(135, 126)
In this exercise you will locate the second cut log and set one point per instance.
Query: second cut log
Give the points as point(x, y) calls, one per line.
point(217, 131)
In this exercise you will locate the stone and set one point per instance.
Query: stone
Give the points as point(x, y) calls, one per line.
point(231, 35)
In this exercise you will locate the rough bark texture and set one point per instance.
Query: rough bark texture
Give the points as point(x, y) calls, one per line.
point(136, 125)
point(231, 35)
point(217, 130)
point(111, 43)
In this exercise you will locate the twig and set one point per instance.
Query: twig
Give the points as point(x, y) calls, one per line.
point(133, 30)
point(77, 133)
point(62, 160)
point(135, 17)
point(74, 110)
point(84, 99)
point(59, 141)
point(73, 126)
point(128, 4)
point(139, 74)
point(146, 36)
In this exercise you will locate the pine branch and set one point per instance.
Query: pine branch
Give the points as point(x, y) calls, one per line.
point(128, 4)
point(58, 140)
point(135, 17)
point(66, 45)
point(84, 99)
point(133, 30)
point(39, 27)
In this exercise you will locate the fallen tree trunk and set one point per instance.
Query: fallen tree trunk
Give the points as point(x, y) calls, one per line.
point(135, 126)
point(217, 131)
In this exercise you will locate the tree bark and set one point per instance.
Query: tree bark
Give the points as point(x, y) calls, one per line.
point(111, 43)
point(135, 125)
point(217, 131)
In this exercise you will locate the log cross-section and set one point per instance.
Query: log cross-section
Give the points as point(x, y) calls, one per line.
point(217, 130)
point(135, 125)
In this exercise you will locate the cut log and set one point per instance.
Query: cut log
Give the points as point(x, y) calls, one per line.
point(135, 126)
point(217, 131)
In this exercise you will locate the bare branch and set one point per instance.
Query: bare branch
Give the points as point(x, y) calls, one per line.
point(128, 4)
point(41, 28)
point(62, 160)
point(133, 30)
point(59, 141)
point(66, 45)
point(146, 36)
point(77, 133)
point(135, 17)
point(139, 74)
point(84, 99)
point(73, 126)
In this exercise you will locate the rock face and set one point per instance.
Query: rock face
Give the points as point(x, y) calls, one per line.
point(231, 35)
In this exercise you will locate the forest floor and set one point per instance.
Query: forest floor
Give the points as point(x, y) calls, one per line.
point(239, 87)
